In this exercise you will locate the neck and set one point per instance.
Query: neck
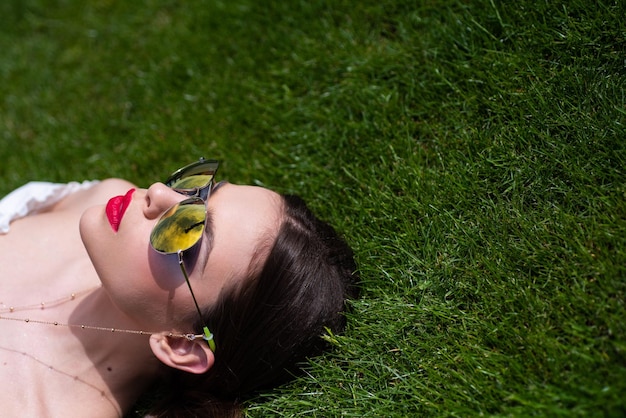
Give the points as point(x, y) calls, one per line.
point(115, 366)
point(123, 361)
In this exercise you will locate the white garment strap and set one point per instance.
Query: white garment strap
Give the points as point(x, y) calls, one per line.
point(34, 197)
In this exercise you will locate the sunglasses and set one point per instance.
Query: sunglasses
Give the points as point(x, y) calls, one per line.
point(182, 226)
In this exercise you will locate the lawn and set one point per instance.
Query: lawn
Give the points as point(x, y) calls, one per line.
point(472, 152)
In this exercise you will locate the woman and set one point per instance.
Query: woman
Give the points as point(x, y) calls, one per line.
point(204, 323)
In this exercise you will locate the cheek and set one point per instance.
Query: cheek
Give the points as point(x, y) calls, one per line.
point(140, 282)
point(165, 270)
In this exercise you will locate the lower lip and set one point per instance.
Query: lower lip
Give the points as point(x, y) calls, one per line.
point(116, 206)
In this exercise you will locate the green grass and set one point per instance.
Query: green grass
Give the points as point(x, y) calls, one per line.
point(473, 153)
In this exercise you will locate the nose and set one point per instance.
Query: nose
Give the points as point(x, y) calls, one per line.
point(159, 198)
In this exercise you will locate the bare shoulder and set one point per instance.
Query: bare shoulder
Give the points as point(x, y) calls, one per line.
point(97, 195)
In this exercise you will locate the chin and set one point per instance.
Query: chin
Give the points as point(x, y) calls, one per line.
point(93, 230)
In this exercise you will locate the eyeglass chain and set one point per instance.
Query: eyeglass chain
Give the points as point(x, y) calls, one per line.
point(43, 305)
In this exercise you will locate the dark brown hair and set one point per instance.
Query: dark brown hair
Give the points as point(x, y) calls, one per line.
point(268, 326)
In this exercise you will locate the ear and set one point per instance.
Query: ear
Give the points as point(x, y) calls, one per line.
point(180, 353)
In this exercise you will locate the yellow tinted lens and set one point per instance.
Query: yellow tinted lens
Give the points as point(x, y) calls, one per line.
point(191, 182)
point(179, 228)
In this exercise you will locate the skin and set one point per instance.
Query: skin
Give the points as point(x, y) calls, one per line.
point(57, 371)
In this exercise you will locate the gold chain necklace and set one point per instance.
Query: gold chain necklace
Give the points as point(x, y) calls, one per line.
point(56, 302)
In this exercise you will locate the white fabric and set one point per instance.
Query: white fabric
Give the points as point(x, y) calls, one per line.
point(34, 197)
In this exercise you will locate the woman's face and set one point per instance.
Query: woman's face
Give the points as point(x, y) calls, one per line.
point(149, 286)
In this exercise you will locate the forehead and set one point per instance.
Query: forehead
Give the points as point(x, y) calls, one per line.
point(245, 223)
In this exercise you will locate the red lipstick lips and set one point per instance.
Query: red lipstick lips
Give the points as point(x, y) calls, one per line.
point(116, 207)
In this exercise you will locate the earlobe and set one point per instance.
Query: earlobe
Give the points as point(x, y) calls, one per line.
point(180, 353)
